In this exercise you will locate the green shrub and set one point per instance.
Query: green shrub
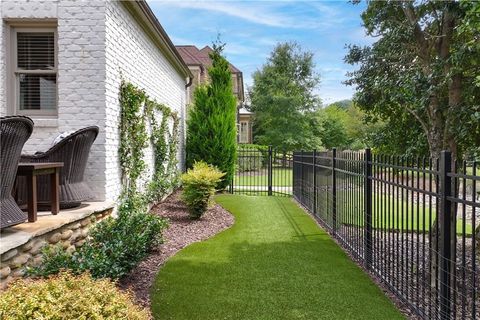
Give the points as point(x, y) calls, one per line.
point(249, 146)
point(67, 297)
point(211, 128)
point(247, 162)
point(251, 157)
point(199, 186)
point(113, 248)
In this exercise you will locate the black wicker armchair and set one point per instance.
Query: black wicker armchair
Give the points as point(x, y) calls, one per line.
point(73, 151)
point(14, 132)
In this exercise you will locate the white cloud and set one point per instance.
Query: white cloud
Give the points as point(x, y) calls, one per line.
point(262, 13)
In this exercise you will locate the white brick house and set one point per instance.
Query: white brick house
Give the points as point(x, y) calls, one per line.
point(93, 44)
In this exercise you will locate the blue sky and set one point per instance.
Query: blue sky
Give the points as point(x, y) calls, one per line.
point(252, 28)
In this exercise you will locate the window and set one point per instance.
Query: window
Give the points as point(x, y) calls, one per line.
point(34, 66)
point(243, 132)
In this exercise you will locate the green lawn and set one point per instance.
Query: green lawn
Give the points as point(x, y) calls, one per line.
point(274, 263)
point(280, 178)
point(392, 213)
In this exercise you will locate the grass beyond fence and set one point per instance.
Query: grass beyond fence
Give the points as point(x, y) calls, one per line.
point(391, 213)
point(281, 177)
point(274, 263)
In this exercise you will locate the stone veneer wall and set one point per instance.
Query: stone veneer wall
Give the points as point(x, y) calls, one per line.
point(70, 236)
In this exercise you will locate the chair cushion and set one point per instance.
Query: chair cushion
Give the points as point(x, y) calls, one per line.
point(61, 136)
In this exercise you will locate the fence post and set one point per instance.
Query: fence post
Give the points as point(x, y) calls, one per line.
point(445, 220)
point(368, 208)
point(293, 175)
point(301, 178)
point(314, 182)
point(334, 191)
point(270, 170)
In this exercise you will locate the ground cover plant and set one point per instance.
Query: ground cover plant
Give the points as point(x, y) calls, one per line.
point(67, 297)
point(113, 248)
point(274, 263)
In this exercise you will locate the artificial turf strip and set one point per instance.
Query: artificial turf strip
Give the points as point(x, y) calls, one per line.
point(273, 263)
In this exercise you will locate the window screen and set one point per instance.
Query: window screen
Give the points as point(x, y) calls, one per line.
point(36, 71)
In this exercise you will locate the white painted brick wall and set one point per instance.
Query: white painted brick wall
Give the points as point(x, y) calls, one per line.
point(81, 75)
point(3, 92)
point(131, 54)
point(97, 41)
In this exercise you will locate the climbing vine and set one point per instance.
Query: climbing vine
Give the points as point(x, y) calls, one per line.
point(143, 122)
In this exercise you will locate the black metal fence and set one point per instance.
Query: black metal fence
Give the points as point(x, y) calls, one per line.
point(263, 170)
point(411, 222)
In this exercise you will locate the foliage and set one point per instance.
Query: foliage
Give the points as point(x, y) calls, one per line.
point(283, 99)
point(246, 162)
point(54, 259)
point(251, 157)
point(114, 246)
point(199, 185)
point(211, 127)
point(249, 146)
point(420, 73)
point(67, 297)
point(138, 113)
point(333, 132)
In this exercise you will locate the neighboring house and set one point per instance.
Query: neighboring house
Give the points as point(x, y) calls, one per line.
point(62, 62)
point(245, 122)
point(198, 61)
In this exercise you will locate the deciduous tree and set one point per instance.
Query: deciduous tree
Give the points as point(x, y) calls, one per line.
point(422, 70)
point(283, 99)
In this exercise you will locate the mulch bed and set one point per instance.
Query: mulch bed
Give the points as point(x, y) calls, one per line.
point(181, 232)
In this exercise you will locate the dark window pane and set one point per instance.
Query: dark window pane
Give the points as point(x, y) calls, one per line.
point(37, 91)
point(35, 50)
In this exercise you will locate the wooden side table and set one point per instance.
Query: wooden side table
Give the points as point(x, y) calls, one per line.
point(31, 170)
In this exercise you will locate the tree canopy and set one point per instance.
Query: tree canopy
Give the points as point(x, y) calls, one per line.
point(283, 99)
point(421, 74)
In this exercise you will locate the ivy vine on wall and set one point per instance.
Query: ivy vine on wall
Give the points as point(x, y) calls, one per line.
point(145, 122)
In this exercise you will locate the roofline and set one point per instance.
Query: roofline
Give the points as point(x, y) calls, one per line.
point(147, 19)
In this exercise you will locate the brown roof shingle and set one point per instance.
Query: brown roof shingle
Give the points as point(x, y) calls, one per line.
point(193, 56)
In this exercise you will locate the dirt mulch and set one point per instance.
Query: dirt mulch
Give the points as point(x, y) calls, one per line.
point(181, 232)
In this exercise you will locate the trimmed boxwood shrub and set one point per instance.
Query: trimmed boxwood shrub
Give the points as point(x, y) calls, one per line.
point(199, 185)
point(66, 296)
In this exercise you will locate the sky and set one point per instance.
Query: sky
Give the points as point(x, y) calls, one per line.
point(251, 29)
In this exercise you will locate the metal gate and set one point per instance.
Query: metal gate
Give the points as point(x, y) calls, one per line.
point(263, 171)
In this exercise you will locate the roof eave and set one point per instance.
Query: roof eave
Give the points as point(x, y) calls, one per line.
point(144, 15)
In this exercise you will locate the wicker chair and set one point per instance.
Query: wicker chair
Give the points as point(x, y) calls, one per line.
point(14, 132)
point(73, 151)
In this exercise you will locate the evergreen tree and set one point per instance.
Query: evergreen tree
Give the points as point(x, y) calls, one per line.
point(211, 127)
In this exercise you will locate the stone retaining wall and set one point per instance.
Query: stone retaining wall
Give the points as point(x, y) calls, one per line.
point(69, 236)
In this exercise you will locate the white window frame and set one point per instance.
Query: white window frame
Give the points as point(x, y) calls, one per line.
point(15, 71)
point(245, 140)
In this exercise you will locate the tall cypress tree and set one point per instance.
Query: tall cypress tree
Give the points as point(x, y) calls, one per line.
point(211, 128)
